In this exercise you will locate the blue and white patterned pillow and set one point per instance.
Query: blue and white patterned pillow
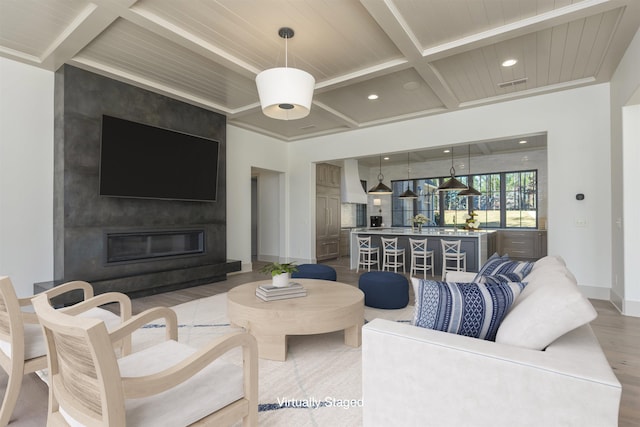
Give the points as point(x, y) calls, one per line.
point(501, 278)
point(503, 268)
point(470, 309)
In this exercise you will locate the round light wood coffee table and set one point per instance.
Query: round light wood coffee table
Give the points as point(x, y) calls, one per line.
point(327, 307)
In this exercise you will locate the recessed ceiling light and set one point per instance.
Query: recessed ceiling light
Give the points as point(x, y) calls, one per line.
point(522, 142)
point(447, 151)
point(411, 85)
point(372, 97)
point(509, 62)
point(386, 158)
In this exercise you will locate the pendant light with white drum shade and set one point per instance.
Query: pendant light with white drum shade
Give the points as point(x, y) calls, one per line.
point(285, 93)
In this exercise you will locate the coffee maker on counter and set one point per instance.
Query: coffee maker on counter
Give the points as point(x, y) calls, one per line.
point(376, 221)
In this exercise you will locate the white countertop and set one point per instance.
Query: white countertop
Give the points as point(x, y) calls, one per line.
point(426, 231)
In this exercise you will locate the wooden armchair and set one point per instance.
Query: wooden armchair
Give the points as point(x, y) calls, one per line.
point(166, 384)
point(23, 349)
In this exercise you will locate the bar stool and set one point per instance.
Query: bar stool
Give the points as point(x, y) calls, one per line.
point(419, 253)
point(451, 252)
point(366, 253)
point(390, 254)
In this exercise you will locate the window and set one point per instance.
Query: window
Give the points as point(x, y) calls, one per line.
point(487, 206)
point(454, 208)
point(427, 203)
point(520, 199)
point(508, 200)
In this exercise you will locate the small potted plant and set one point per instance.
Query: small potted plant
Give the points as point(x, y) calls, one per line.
point(280, 273)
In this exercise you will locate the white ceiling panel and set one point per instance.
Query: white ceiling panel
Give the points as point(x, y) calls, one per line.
point(559, 55)
point(318, 122)
point(136, 51)
point(331, 37)
point(442, 21)
point(32, 26)
point(404, 92)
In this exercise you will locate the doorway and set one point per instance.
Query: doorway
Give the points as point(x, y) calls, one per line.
point(267, 215)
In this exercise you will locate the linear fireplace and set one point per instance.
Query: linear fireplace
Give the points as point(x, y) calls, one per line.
point(147, 245)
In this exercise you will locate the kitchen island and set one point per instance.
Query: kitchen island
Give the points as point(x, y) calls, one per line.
point(478, 245)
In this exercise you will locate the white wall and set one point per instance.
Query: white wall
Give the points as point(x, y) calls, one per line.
point(26, 175)
point(631, 160)
point(625, 158)
point(247, 150)
point(577, 125)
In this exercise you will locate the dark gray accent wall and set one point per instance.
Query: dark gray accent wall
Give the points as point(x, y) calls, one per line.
point(82, 216)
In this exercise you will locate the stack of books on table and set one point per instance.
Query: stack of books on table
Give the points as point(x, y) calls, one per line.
point(272, 293)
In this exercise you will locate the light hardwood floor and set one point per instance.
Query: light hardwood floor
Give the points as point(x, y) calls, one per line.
point(619, 336)
point(620, 339)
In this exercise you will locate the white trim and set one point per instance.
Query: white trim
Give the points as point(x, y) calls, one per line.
point(595, 292)
point(631, 308)
point(617, 300)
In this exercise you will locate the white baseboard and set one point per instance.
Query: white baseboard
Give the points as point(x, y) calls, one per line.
point(624, 306)
point(595, 292)
point(631, 308)
point(617, 300)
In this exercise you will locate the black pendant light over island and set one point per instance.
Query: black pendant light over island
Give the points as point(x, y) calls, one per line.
point(408, 194)
point(469, 191)
point(452, 184)
point(380, 188)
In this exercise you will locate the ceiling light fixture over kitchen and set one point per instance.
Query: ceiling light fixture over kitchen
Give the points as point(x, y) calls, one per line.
point(285, 93)
point(408, 194)
point(453, 184)
point(469, 191)
point(380, 188)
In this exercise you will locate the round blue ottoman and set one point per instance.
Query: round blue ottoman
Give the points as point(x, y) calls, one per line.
point(314, 271)
point(384, 289)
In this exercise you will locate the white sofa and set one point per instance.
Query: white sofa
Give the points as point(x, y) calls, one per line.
point(546, 367)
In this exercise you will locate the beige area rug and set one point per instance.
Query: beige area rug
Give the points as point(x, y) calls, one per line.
point(320, 383)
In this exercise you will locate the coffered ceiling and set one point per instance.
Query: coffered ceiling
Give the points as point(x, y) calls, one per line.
point(421, 57)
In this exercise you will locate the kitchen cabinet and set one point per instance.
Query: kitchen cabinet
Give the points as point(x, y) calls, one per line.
point(327, 175)
point(527, 245)
point(328, 207)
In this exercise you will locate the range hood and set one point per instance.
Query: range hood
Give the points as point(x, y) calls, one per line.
point(351, 188)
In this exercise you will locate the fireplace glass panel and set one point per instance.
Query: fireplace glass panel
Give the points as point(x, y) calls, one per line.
point(147, 245)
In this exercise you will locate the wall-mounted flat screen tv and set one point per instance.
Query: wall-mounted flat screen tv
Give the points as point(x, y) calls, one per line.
point(142, 161)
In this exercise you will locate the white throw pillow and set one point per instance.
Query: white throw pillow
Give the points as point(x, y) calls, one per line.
point(549, 260)
point(542, 316)
point(541, 278)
